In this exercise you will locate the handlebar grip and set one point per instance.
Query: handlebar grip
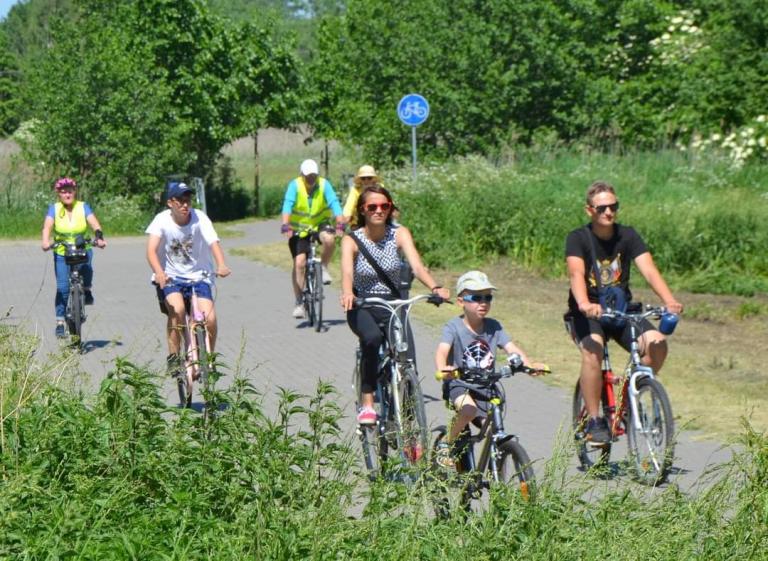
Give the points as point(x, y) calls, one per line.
point(441, 375)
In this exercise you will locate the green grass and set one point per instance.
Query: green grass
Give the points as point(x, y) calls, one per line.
point(119, 475)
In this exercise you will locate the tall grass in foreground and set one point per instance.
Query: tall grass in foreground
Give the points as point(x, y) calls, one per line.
point(705, 222)
point(122, 476)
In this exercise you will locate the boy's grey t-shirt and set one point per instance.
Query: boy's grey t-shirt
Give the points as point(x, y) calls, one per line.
point(470, 350)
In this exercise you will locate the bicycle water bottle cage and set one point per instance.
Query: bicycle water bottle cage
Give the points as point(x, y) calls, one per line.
point(614, 298)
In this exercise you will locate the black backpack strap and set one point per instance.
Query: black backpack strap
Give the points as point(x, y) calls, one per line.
point(384, 277)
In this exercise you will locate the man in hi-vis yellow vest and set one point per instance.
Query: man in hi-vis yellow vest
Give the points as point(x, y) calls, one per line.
point(310, 203)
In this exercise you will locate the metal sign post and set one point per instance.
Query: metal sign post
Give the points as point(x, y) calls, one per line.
point(413, 110)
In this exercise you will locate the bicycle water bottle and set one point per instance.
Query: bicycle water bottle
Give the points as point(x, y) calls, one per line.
point(668, 323)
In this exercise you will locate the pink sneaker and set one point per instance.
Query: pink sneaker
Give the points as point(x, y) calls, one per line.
point(366, 416)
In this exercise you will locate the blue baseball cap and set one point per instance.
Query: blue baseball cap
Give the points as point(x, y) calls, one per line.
point(177, 190)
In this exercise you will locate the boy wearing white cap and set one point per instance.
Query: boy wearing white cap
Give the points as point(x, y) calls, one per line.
point(469, 341)
point(309, 204)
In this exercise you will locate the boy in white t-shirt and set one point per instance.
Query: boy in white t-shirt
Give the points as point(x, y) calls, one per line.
point(181, 242)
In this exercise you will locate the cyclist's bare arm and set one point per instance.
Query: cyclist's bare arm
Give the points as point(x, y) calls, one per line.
point(576, 272)
point(153, 243)
point(441, 361)
point(348, 252)
point(93, 222)
point(405, 244)
point(47, 229)
point(648, 269)
point(218, 256)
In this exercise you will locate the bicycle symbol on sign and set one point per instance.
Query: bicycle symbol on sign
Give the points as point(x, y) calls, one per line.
point(413, 109)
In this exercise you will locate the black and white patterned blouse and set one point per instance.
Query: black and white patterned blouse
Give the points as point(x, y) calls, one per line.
point(366, 281)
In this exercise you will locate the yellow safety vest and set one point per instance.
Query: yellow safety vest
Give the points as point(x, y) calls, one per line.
point(303, 217)
point(64, 228)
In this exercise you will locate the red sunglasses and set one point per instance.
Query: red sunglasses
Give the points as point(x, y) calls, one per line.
point(373, 207)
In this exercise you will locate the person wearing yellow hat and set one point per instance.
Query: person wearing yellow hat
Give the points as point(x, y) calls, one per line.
point(365, 177)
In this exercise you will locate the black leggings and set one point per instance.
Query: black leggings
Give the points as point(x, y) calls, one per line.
point(364, 323)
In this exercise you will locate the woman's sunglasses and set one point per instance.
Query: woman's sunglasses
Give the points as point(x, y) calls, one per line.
point(373, 207)
point(478, 298)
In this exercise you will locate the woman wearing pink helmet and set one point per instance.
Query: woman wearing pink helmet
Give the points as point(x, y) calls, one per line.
point(66, 219)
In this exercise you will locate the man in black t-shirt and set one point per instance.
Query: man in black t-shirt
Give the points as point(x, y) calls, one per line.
point(614, 247)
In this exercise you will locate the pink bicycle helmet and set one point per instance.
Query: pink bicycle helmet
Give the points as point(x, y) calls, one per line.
point(65, 183)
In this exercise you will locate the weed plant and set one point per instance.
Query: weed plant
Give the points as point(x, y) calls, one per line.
point(705, 221)
point(123, 476)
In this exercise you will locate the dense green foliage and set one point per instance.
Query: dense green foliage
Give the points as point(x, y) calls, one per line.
point(122, 476)
point(499, 72)
point(683, 207)
point(129, 92)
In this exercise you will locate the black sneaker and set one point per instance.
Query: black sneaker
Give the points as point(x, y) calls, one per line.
point(88, 298)
point(597, 432)
point(444, 457)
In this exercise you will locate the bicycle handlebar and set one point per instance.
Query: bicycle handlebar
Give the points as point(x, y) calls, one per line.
point(393, 304)
point(654, 312)
point(86, 242)
point(481, 378)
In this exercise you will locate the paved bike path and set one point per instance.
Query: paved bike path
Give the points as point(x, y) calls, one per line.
point(257, 332)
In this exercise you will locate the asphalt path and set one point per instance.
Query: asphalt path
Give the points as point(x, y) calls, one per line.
point(259, 338)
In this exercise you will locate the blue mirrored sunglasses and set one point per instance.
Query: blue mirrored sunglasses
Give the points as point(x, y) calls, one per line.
point(477, 298)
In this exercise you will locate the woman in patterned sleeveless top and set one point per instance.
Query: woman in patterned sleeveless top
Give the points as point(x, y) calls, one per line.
point(384, 241)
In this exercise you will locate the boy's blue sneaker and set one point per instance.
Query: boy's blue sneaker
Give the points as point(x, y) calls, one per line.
point(61, 330)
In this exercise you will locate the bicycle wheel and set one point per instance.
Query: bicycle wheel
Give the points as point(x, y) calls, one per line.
point(203, 358)
point(373, 444)
point(515, 468)
point(75, 312)
point(589, 456)
point(651, 446)
point(317, 300)
point(309, 290)
point(412, 436)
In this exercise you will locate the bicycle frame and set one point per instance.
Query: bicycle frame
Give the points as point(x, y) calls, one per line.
point(312, 292)
point(491, 432)
point(634, 371)
point(399, 369)
point(75, 257)
point(193, 318)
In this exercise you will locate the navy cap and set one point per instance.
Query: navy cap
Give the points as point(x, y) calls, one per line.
point(178, 190)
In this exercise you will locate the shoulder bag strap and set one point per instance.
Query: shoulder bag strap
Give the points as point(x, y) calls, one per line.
point(384, 277)
point(592, 249)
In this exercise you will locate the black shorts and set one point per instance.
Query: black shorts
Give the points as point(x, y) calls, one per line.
point(300, 244)
point(579, 326)
point(453, 391)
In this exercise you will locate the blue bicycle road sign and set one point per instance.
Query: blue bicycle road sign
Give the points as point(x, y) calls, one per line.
point(413, 110)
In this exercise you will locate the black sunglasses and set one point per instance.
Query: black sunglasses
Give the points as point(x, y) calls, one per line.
point(478, 298)
point(602, 208)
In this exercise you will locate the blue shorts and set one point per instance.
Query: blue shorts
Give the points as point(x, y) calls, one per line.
point(202, 289)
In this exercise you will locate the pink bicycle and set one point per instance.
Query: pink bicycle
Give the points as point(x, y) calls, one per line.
point(197, 363)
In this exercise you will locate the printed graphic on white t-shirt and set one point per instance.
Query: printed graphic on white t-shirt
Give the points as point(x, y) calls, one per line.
point(185, 250)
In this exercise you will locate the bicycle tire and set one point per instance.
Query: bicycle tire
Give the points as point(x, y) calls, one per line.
point(203, 358)
point(369, 434)
point(318, 303)
point(514, 466)
point(309, 289)
point(589, 456)
point(412, 434)
point(75, 315)
point(652, 449)
point(439, 490)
